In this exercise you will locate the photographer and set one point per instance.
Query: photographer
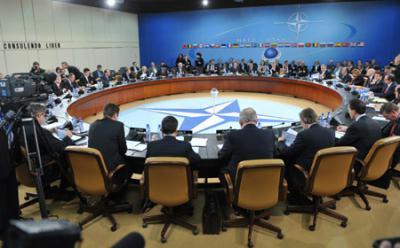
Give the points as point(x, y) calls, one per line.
point(36, 70)
point(51, 148)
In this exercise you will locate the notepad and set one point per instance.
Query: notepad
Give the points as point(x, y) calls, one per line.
point(131, 144)
point(196, 149)
point(140, 147)
point(290, 136)
point(199, 141)
point(75, 138)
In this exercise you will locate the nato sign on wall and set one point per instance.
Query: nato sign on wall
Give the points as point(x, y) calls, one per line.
point(350, 30)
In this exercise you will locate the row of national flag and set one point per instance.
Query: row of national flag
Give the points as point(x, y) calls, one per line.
point(280, 44)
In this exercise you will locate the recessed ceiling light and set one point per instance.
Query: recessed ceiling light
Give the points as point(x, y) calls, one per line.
point(204, 3)
point(111, 3)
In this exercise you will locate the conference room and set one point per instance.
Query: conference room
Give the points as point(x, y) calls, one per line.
point(204, 123)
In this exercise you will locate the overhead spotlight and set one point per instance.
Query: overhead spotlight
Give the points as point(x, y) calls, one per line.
point(111, 3)
point(204, 3)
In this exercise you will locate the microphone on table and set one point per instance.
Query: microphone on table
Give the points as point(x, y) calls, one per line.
point(131, 240)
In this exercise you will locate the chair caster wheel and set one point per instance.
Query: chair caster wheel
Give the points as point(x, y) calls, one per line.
point(368, 208)
point(163, 240)
point(311, 228)
point(113, 228)
point(280, 236)
point(286, 212)
point(144, 225)
point(195, 231)
point(343, 224)
point(250, 244)
point(385, 200)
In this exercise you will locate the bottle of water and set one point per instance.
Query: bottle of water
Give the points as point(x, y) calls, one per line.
point(74, 123)
point(160, 136)
point(50, 101)
point(322, 120)
point(148, 133)
point(328, 119)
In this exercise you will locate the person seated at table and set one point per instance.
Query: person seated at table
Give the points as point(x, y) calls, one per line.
point(211, 67)
point(51, 148)
point(134, 68)
point(243, 67)
point(199, 63)
point(98, 73)
point(252, 67)
point(108, 136)
point(180, 71)
point(71, 69)
point(396, 100)
point(154, 71)
point(36, 70)
point(302, 151)
point(344, 75)
point(68, 84)
point(302, 70)
point(128, 75)
point(169, 146)
point(391, 112)
point(325, 74)
point(179, 59)
point(316, 68)
point(362, 133)
point(56, 86)
point(357, 78)
point(248, 143)
point(388, 90)
point(106, 79)
point(377, 84)
point(187, 64)
point(164, 69)
point(86, 79)
point(220, 66)
point(235, 68)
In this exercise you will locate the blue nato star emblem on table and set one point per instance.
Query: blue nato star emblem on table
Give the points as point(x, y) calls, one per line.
point(202, 119)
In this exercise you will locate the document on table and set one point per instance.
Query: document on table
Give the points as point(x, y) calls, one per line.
point(53, 125)
point(131, 144)
point(339, 135)
point(140, 147)
point(199, 141)
point(220, 146)
point(196, 149)
point(290, 136)
point(75, 138)
point(379, 118)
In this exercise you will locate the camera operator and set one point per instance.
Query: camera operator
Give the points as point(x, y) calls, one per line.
point(51, 148)
point(36, 70)
point(9, 205)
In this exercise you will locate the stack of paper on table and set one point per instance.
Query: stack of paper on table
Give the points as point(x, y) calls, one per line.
point(199, 141)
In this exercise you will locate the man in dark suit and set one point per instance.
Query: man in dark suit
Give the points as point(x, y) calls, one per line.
point(248, 143)
point(169, 146)
point(344, 75)
point(51, 148)
point(108, 136)
point(388, 90)
point(377, 84)
point(106, 78)
point(71, 69)
point(391, 113)
point(36, 70)
point(69, 84)
point(307, 143)
point(86, 79)
point(97, 74)
point(362, 133)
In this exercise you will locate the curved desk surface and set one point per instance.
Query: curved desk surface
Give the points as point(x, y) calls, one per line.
point(93, 103)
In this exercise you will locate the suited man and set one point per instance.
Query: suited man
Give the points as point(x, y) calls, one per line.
point(325, 73)
point(391, 112)
point(98, 73)
point(50, 148)
point(106, 79)
point(211, 67)
point(69, 83)
point(388, 90)
point(307, 143)
point(244, 67)
point(56, 86)
point(220, 66)
point(362, 133)
point(71, 69)
point(180, 71)
point(345, 76)
point(144, 73)
point(164, 69)
point(377, 84)
point(86, 79)
point(169, 146)
point(248, 143)
point(108, 136)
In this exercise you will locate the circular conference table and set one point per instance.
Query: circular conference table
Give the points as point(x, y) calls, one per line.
point(333, 97)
